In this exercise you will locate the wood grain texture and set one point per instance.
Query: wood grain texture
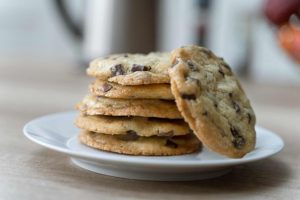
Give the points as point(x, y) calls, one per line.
point(28, 171)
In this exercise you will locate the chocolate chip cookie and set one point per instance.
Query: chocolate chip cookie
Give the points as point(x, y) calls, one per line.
point(212, 101)
point(132, 69)
point(114, 90)
point(135, 145)
point(141, 126)
point(92, 105)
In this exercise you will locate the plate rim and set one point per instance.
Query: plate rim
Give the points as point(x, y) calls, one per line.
point(142, 161)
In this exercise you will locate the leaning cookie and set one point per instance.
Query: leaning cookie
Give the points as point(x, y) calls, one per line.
point(212, 101)
point(114, 90)
point(141, 126)
point(135, 145)
point(92, 105)
point(132, 69)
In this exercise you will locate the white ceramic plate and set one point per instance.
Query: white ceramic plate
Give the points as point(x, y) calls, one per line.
point(58, 133)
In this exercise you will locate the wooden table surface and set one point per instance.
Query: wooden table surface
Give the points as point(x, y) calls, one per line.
point(31, 88)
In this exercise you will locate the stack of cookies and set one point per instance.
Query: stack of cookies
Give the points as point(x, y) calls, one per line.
point(130, 108)
point(165, 104)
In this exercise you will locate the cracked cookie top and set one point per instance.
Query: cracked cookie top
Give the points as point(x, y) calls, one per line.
point(132, 69)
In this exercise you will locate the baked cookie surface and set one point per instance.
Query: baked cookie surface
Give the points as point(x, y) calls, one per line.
point(132, 69)
point(212, 101)
point(135, 145)
point(142, 126)
point(114, 90)
point(92, 105)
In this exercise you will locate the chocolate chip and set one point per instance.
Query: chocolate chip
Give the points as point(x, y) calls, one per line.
point(230, 95)
point(131, 132)
point(236, 107)
point(125, 55)
point(221, 72)
point(238, 142)
point(171, 144)
point(188, 96)
point(216, 105)
point(207, 51)
point(136, 67)
point(190, 63)
point(234, 132)
point(205, 113)
point(130, 136)
point(175, 63)
point(249, 118)
point(117, 70)
point(106, 87)
point(191, 66)
point(166, 134)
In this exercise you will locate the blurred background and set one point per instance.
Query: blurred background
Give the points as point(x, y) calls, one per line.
point(46, 45)
point(70, 33)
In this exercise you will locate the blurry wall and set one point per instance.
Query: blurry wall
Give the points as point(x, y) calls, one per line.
point(240, 33)
point(234, 29)
point(32, 29)
point(177, 23)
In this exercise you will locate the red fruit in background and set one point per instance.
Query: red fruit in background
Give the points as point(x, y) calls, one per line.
point(279, 11)
point(289, 38)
